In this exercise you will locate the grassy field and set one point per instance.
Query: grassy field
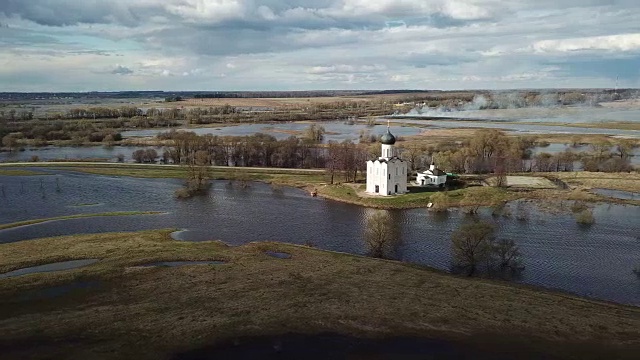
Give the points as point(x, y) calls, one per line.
point(290, 177)
point(153, 313)
point(463, 134)
point(78, 216)
point(353, 195)
point(588, 180)
point(286, 102)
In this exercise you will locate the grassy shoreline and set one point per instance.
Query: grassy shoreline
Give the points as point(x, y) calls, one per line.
point(10, 172)
point(579, 184)
point(77, 216)
point(253, 294)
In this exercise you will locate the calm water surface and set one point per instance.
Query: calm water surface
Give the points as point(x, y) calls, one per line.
point(336, 130)
point(107, 153)
point(596, 261)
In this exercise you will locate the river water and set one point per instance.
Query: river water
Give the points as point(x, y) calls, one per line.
point(103, 153)
point(335, 130)
point(594, 261)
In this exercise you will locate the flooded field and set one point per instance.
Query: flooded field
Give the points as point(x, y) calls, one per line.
point(595, 261)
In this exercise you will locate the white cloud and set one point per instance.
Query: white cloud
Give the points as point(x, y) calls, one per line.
point(400, 78)
point(621, 42)
point(345, 69)
point(210, 10)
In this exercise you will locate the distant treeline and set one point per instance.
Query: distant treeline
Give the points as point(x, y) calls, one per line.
point(18, 96)
point(488, 151)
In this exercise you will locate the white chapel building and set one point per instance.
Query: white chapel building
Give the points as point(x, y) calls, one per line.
point(387, 175)
point(432, 177)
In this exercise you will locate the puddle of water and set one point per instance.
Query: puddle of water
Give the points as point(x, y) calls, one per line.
point(59, 266)
point(85, 205)
point(182, 263)
point(617, 194)
point(279, 255)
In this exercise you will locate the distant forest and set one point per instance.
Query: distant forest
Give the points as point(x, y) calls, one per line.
point(17, 96)
point(196, 94)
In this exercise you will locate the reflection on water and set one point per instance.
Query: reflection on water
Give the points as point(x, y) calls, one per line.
point(105, 153)
point(557, 253)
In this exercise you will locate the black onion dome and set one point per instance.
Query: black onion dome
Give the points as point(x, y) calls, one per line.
point(388, 138)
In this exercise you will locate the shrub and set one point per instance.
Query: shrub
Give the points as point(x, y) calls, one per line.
point(585, 217)
point(441, 202)
point(578, 207)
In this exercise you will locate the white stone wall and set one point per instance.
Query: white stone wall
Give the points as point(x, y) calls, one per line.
point(388, 151)
point(386, 175)
point(431, 180)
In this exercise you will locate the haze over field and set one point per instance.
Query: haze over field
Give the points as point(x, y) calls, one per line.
point(77, 45)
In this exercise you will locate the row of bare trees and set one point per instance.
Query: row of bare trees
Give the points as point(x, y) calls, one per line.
point(489, 151)
point(492, 151)
point(344, 161)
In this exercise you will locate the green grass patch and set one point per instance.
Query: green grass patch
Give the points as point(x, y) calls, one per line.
point(471, 196)
point(78, 216)
point(20, 172)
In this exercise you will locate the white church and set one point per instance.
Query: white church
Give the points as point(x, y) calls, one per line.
point(387, 175)
point(432, 177)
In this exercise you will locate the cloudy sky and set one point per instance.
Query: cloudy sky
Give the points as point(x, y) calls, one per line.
point(84, 45)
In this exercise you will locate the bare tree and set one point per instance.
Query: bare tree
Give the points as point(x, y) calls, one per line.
point(10, 142)
point(315, 133)
point(471, 245)
point(507, 254)
point(197, 182)
point(382, 234)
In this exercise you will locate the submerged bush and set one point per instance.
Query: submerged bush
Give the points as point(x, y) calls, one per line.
point(474, 247)
point(191, 191)
point(585, 217)
point(382, 234)
point(578, 207)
